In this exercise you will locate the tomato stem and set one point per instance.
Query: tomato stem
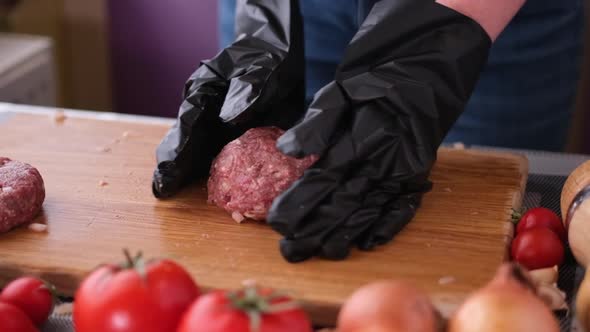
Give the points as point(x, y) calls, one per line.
point(53, 291)
point(130, 261)
point(136, 263)
point(516, 215)
point(255, 320)
point(140, 268)
point(254, 304)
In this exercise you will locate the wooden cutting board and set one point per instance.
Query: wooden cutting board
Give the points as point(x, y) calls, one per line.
point(453, 245)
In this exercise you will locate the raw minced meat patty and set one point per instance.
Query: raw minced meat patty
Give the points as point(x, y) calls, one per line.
point(22, 193)
point(250, 172)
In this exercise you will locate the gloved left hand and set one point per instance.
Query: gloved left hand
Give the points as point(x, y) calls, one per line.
point(256, 81)
point(404, 80)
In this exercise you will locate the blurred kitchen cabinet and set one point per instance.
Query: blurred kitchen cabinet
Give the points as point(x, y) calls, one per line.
point(27, 70)
point(79, 33)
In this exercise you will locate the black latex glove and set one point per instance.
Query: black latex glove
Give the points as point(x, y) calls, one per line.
point(405, 79)
point(256, 81)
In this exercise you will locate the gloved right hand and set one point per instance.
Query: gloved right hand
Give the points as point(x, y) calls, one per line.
point(256, 81)
point(404, 80)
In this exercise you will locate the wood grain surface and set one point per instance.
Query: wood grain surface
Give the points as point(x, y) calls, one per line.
point(452, 246)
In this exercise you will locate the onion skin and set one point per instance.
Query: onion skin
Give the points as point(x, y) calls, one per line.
point(389, 306)
point(575, 182)
point(577, 220)
point(508, 303)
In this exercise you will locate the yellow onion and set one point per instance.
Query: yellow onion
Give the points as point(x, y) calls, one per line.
point(575, 210)
point(508, 303)
point(389, 306)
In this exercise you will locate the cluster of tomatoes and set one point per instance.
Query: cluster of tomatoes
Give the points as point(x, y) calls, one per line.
point(155, 295)
point(160, 295)
point(25, 305)
point(540, 239)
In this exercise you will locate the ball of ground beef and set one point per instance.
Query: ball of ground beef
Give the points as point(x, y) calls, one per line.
point(22, 193)
point(250, 172)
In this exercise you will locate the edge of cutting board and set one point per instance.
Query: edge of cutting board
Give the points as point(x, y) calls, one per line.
point(518, 198)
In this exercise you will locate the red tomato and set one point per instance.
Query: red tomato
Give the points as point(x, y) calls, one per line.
point(537, 248)
point(115, 298)
point(222, 311)
point(32, 296)
point(542, 217)
point(12, 319)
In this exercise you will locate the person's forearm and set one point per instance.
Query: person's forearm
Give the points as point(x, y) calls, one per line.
point(492, 15)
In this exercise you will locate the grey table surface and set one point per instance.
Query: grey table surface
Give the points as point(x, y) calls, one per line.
point(547, 172)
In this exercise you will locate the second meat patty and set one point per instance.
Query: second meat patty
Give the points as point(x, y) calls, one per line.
point(22, 193)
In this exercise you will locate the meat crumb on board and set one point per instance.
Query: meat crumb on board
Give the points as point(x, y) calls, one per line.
point(59, 117)
point(238, 217)
point(37, 227)
point(102, 183)
point(446, 280)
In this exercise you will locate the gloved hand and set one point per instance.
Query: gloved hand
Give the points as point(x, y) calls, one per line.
point(404, 80)
point(256, 81)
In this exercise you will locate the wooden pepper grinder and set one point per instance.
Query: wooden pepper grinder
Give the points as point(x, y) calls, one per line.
point(575, 211)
